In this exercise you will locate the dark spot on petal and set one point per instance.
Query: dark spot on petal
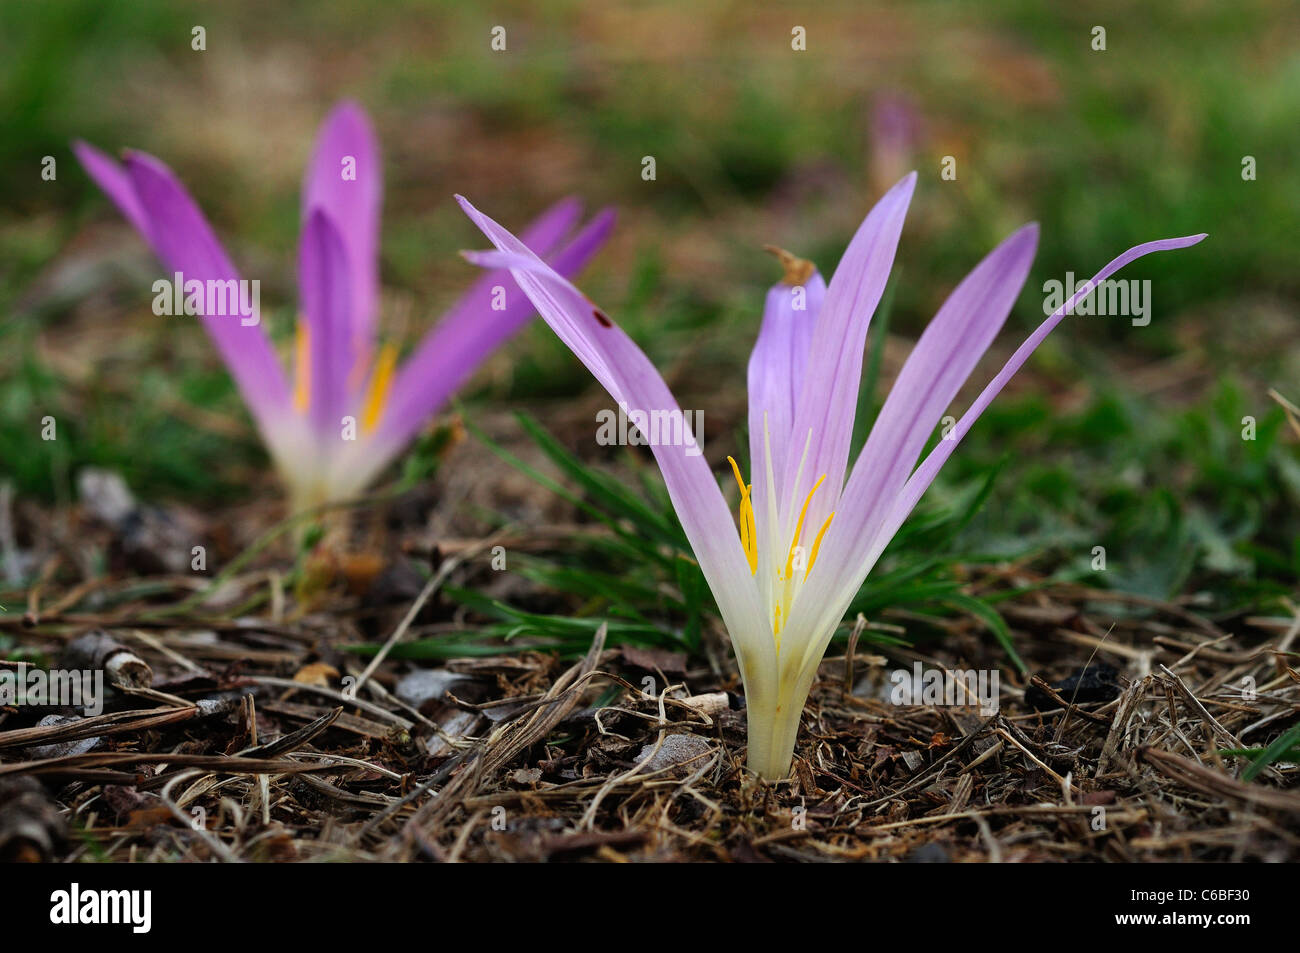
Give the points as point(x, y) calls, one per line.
point(600, 316)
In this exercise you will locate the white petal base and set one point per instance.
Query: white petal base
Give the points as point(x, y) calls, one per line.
point(774, 726)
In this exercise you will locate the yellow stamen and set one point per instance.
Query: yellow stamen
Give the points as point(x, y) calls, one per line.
point(735, 469)
point(798, 529)
point(302, 368)
point(749, 541)
point(748, 534)
point(380, 379)
point(744, 525)
point(817, 544)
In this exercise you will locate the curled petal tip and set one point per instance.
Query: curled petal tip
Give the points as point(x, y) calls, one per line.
point(570, 202)
point(1168, 244)
point(349, 111)
point(317, 216)
point(901, 191)
point(797, 270)
point(602, 223)
point(1027, 234)
point(907, 184)
point(85, 152)
point(134, 158)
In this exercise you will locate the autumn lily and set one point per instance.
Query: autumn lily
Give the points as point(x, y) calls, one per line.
point(349, 410)
point(807, 537)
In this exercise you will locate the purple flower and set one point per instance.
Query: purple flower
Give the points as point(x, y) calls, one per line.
point(807, 536)
point(896, 128)
point(350, 409)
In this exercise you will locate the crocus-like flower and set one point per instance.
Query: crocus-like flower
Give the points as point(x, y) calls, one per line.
point(350, 410)
point(896, 128)
point(807, 537)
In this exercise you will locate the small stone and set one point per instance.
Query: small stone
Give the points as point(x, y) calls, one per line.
point(61, 749)
point(425, 684)
point(676, 752)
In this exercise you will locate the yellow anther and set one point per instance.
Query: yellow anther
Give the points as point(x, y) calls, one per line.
point(746, 516)
point(748, 534)
point(817, 544)
point(798, 529)
point(735, 469)
point(380, 379)
point(302, 368)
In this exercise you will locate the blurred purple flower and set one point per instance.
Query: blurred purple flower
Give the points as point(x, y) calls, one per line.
point(895, 130)
point(803, 385)
point(350, 409)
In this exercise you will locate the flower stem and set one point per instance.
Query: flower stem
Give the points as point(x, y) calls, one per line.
point(774, 726)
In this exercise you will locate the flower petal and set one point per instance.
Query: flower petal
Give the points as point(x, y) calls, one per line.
point(828, 596)
point(324, 282)
point(920, 481)
point(778, 366)
point(114, 182)
point(630, 378)
point(823, 419)
point(181, 237)
point(472, 330)
point(944, 357)
point(345, 178)
point(777, 370)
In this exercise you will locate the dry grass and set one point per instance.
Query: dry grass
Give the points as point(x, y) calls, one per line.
point(244, 744)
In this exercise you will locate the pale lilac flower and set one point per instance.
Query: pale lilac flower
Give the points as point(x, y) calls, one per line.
point(896, 128)
point(807, 537)
point(349, 409)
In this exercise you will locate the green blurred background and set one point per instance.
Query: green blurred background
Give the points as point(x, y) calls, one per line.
point(1127, 435)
